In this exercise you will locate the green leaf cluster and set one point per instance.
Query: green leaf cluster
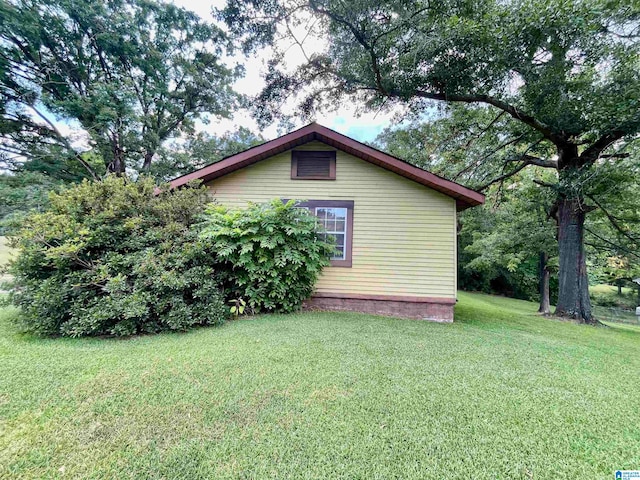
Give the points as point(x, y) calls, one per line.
point(499, 244)
point(121, 258)
point(21, 193)
point(116, 258)
point(568, 70)
point(271, 254)
point(131, 74)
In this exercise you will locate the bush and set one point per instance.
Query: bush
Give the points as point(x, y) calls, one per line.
point(271, 253)
point(116, 258)
point(120, 258)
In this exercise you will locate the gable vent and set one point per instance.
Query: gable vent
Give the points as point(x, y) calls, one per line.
point(313, 165)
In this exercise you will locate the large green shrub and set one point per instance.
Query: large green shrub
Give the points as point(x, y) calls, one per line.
point(271, 253)
point(116, 258)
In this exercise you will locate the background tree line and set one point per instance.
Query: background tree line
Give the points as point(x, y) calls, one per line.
point(509, 246)
point(536, 104)
point(128, 78)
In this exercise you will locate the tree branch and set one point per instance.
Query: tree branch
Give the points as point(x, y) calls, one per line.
point(360, 37)
point(503, 177)
point(64, 140)
point(469, 98)
point(614, 221)
point(483, 131)
point(504, 106)
point(544, 184)
point(609, 242)
point(486, 157)
point(526, 161)
point(592, 153)
point(540, 162)
point(616, 155)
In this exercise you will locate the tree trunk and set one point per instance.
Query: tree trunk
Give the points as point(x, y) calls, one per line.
point(543, 278)
point(619, 288)
point(573, 294)
point(117, 165)
point(148, 157)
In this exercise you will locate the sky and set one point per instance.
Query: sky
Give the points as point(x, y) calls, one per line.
point(364, 127)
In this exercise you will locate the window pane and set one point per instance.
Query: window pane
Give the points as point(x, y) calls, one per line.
point(327, 218)
point(333, 219)
point(334, 223)
point(339, 241)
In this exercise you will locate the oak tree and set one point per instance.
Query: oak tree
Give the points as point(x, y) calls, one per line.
point(130, 73)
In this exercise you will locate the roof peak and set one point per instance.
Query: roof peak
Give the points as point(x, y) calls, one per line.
point(465, 197)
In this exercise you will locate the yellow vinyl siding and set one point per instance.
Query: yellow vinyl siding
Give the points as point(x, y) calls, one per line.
point(404, 234)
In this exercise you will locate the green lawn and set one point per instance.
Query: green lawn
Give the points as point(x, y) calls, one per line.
point(500, 394)
point(609, 306)
point(5, 251)
point(609, 289)
point(5, 256)
point(613, 314)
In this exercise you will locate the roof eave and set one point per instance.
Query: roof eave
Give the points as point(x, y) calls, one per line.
point(465, 197)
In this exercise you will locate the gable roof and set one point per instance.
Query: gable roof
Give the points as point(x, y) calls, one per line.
point(465, 197)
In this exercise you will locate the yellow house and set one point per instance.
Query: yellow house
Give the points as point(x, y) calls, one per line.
point(394, 223)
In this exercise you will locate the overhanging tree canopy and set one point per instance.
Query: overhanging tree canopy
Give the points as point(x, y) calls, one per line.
point(567, 72)
point(130, 73)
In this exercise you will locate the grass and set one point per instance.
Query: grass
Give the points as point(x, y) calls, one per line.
point(615, 314)
point(499, 394)
point(610, 289)
point(608, 305)
point(5, 256)
point(5, 251)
